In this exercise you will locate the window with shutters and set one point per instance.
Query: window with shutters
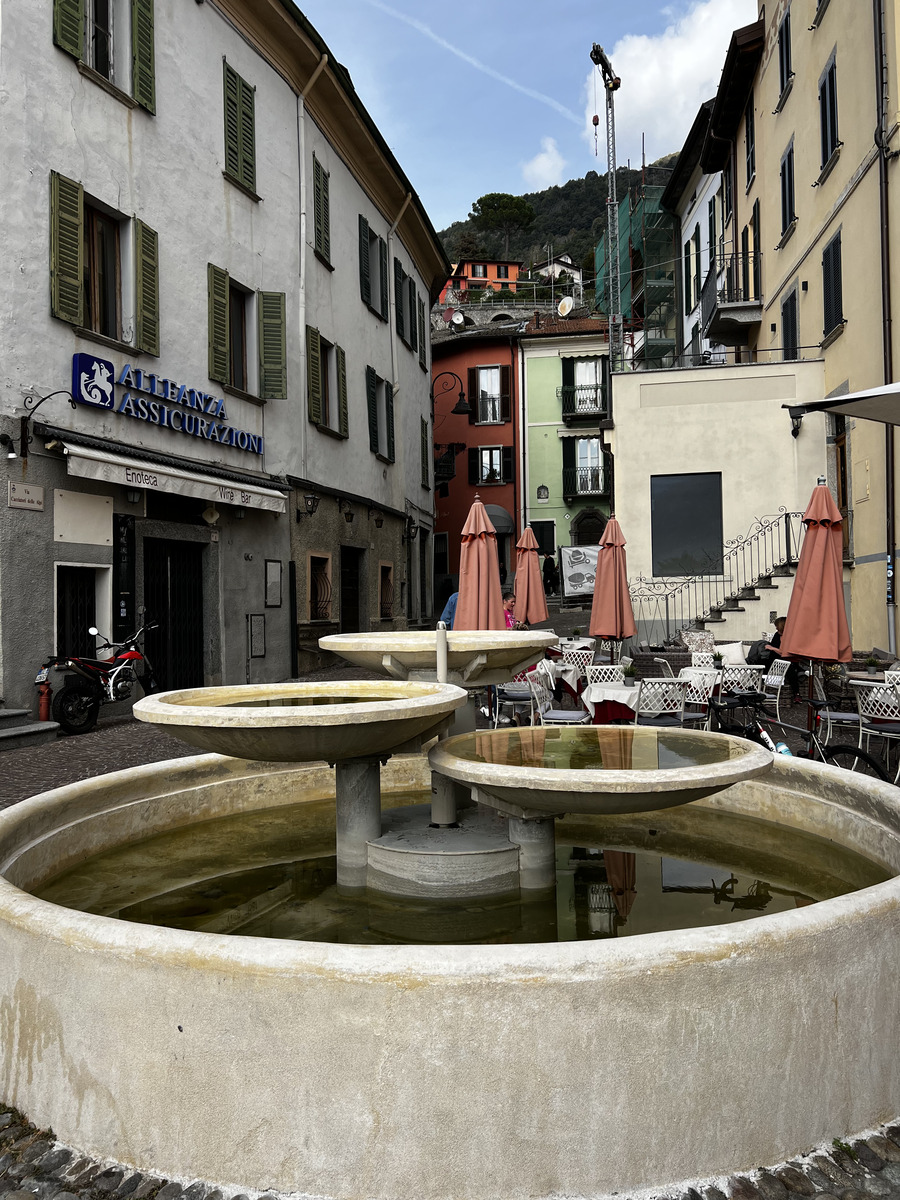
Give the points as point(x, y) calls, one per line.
point(423, 333)
point(688, 278)
point(479, 271)
point(326, 384)
point(380, 410)
point(484, 389)
point(490, 464)
point(727, 194)
point(247, 337)
point(788, 216)
point(113, 43)
point(785, 69)
point(502, 271)
point(321, 213)
point(789, 332)
point(104, 272)
point(240, 132)
point(584, 389)
point(425, 440)
point(711, 228)
point(585, 467)
point(697, 275)
point(750, 140)
point(832, 286)
point(373, 273)
point(405, 298)
point(828, 115)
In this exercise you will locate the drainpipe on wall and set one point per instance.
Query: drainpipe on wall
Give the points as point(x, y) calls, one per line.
point(523, 436)
point(301, 288)
point(886, 336)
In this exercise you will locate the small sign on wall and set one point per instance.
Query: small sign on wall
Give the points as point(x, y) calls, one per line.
point(26, 495)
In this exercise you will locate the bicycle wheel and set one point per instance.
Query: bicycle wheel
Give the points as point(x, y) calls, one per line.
point(851, 758)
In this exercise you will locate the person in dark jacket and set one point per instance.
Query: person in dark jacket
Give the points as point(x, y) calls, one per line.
point(551, 576)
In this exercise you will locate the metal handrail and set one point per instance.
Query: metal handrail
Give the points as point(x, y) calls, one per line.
point(665, 606)
point(583, 400)
point(585, 481)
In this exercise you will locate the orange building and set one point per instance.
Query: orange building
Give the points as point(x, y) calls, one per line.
point(477, 274)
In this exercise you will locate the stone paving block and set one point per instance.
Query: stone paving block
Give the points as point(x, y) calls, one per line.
point(770, 1186)
point(847, 1163)
point(148, 1184)
point(832, 1172)
point(6, 1118)
point(867, 1156)
point(217, 1194)
point(130, 1184)
point(20, 1194)
point(875, 1185)
point(11, 1132)
point(891, 1172)
point(196, 1191)
point(713, 1193)
point(35, 1151)
point(65, 1196)
point(885, 1147)
point(795, 1181)
point(77, 1167)
point(169, 1192)
point(740, 1188)
point(18, 1170)
point(109, 1180)
point(853, 1194)
point(55, 1160)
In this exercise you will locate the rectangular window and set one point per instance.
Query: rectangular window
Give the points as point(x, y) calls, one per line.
point(113, 37)
point(320, 589)
point(489, 395)
point(247, 336)
point(326, 384)
point(785, 71)
point(102, 281)
point(380, 409)
point(98, 42)
point(426, 451)
point(583, 391)
point(727, 194)
point(750, 140)
point(240, 136)
point(502, 271)
point(828, 111)
point(405, 304)
point(423, 334)
point(584, 467)
point(712, 231)
point(697, 279)
point(545, 533)
point(441, 550)
point(386, 591)
point(789, 338)
point(490, 464)
point(788, 216)
point(686, 524)
point(479, 271)
point(832, 286)
point(321, 212)
point(688, 278)
point(373, 280)
point(237, 335)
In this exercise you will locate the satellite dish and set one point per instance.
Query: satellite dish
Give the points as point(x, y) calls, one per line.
point(448, 315)
point(458, 320)
point(565, 306)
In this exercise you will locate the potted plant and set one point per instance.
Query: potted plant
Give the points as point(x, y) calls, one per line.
point(717, 659)
point(872, 665)
point(628, 674)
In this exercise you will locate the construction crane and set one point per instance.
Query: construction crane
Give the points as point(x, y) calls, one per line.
point(612, 83)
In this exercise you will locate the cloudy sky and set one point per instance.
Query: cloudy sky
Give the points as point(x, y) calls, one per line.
point(478, 96)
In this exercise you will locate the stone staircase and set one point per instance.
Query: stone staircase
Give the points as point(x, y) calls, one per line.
point(745, 617)
point(18, 728)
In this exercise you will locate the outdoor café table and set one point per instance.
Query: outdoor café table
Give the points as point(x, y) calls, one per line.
point(876, 677)
point(608, 702)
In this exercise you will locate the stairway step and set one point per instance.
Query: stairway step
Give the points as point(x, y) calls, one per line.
point(14, 716)
point(32, 734)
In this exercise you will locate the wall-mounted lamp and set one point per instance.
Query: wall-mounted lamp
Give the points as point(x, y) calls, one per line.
point(33, 403)
point(132, 495)
point(9, 444)
point(377, 516)
point(412, 530)
point(461, 407)
point(344, 507)
point(796, 415)
point(310, 504)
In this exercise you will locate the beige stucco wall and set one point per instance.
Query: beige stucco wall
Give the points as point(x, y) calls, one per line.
point(465, 1072)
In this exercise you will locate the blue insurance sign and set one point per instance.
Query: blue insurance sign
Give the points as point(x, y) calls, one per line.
point(93, 381)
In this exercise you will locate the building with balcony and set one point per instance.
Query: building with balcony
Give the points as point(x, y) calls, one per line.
point(476, 276)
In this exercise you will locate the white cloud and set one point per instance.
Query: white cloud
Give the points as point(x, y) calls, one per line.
point(667, 77)
point(546, 168)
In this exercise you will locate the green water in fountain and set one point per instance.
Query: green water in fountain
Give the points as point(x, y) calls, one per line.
point(593, 748)
point(271, 873)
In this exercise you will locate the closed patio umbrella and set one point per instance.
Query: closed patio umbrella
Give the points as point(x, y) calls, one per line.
point(621, 876)
point(480, 603)
point(816, 625)
point(612, 616)
point(531, 603)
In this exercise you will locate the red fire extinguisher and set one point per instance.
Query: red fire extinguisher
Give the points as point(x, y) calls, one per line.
point(45, 691)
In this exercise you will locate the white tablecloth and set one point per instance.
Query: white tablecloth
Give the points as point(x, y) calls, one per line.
point(618, 693)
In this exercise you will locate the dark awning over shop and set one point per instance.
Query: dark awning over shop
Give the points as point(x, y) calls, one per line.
point(876, 404)
point(500, 518)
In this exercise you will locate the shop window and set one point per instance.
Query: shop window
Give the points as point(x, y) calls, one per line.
point(320, 589)
point(686, 524)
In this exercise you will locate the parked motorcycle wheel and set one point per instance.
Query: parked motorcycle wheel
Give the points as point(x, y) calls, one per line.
point(75, 708)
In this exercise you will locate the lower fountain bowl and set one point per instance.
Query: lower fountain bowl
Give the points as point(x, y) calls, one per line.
point(471, 1072)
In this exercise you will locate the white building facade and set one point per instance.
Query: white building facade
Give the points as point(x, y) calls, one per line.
point(208, 329)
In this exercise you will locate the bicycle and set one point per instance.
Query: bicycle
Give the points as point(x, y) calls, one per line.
point(846, 756)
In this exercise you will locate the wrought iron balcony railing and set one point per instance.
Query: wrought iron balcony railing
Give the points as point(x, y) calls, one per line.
point(585, 481)
point(583, 401)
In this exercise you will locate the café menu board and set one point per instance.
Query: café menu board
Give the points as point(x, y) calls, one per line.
point(577, 567)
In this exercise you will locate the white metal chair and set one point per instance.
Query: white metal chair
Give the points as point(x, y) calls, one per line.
point(667, 671)
point(512, 697)
point(831, 718)
point(879, 714)
point(702, 658)
point(660, 703)
point(773, 683)
point(741, 679)
point(892, 675)
point(545, 712)
point(581, 659)
point(605, 673)
point(700, 686)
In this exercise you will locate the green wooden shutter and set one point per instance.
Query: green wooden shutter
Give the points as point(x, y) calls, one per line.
point(66, 249)
point(372, 407)
point(389, 418)
point(240, 136)
point(365, 271)
point(505, 395)
point(321, 210)
point(217, 290)
point(423, 362)
point(146, 253)
point(474, 460)
point(272, 346)
point(313, 375)
point(383, 273)
point(343, 417)
point(472, 376)
point(507, 464)
point(143, 73)
point(426, 451)
point(68, 26)
point(398, 298)
point(413, 332)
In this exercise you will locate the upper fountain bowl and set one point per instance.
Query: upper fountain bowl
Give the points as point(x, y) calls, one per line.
point(305, 722)
point(474, 656)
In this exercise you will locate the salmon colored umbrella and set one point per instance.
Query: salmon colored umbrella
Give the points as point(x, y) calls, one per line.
point(480, 603)
point(621, 875)
point(612, 616)
point(531, 603)
point(816, 624)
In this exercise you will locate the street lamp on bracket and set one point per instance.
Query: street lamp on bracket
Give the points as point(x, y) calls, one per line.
point(462, 408)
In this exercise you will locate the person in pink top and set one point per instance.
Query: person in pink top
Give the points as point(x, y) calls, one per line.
point(509, 601)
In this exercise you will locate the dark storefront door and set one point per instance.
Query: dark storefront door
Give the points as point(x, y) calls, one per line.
point(76, 611)
point(350, 585)
point(173, 596)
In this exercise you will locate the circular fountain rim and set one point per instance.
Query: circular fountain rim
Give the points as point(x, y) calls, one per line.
point(380, 700)
point(457, 639)
point(750, 760)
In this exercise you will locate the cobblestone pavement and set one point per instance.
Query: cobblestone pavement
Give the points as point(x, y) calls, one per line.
point(34, 1164)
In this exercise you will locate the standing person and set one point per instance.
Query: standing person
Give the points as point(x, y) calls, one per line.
point(509, 603)
point(449, 613)
point(551, 575)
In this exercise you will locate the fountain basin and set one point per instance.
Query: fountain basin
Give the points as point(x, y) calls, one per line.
point(450, 1071)
point(474, 657)
point(305, 722)
point(596, 768)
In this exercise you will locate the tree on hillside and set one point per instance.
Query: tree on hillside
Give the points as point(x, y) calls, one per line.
point(498, 212)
